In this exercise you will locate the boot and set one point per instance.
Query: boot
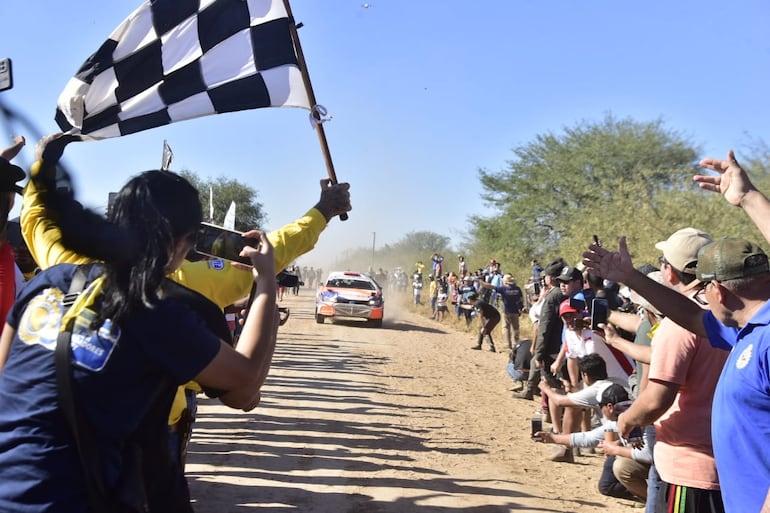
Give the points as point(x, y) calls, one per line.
point(477, 347)
point(562, 455)
point(524, 394)
point(492, 348)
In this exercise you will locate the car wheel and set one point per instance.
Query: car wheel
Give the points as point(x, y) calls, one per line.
point(319, 318)
point(375, 323)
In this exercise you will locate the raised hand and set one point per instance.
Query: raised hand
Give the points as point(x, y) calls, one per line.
point(732, 182)
point(610, 265)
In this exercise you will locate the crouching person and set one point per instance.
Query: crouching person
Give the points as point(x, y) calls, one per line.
point(608, 483)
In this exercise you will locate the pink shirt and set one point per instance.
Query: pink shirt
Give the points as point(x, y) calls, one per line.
point(683, 452)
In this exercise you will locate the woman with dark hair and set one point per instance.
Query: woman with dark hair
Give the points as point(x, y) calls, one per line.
point(131, 345)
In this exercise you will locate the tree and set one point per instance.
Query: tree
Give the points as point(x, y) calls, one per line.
point(412, 247)
point(610, 178)
point(248, 213)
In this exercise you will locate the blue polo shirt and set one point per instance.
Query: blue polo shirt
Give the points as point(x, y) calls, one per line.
point(740, 421)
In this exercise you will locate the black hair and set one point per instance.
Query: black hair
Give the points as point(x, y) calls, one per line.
point(155, 208)
point(149, 215)
point(554, 268)
point(595, 280)
point(593, 366)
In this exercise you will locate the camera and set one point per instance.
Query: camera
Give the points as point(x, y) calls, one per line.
point(218, 242)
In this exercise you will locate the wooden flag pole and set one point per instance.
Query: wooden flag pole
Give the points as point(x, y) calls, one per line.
point(311, 98)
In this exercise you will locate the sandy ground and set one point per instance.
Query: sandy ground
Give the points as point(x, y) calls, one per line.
point(403, 419)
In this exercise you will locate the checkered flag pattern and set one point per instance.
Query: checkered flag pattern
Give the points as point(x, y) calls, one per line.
point(172, 60)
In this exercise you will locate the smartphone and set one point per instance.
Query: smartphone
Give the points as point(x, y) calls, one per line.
point(215, 241)
point(597, 241)
point(599, 311)
point(6, 75)
point(537, 426)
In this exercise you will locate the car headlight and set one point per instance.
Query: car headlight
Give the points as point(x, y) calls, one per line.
point(375, 301)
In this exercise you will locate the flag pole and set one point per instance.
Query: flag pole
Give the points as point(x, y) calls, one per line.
point(311, 98)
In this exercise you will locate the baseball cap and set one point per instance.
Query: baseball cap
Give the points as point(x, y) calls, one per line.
point(565, 307)
point(613, 394)
point(681, 248)
point(9, 175)
point(569, 273)
point(729, 259)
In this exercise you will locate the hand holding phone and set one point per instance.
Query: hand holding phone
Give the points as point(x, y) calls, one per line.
point(218, 242)
point(599, 312)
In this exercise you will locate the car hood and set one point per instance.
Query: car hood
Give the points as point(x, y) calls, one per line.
point(350, 293)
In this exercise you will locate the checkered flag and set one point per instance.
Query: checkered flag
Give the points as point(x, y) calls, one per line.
point(172, 60)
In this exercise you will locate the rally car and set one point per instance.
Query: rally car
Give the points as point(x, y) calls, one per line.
point(350, 295)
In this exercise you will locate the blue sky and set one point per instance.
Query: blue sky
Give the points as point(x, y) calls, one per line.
point(423, 93)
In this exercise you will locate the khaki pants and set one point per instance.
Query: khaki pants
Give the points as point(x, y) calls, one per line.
point(511, 327)
point(632, 475)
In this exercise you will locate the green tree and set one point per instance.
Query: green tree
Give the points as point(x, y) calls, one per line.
point(609, 178)
point(412, 247)
point(249, 214)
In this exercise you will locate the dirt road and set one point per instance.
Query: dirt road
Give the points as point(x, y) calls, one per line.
point(403, 419)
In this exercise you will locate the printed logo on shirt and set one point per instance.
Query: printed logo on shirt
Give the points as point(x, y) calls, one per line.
point(91, 349)
point(217, 264)
point(745, 357)
point(41, 320)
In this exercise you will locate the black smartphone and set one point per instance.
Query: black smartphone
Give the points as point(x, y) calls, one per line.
point(6, 74)
point(599, 311)
point(215, 241)
point(597, 241)
point(537, 426)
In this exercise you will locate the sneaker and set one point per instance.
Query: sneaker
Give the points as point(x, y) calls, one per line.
point(477, 348)
point(492, 349)
point(524, 394)
point(562, 455)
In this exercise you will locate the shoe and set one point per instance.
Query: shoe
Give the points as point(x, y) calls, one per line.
point(492, 349)
point(524, 394)
point(562, 455)
point(477, 348)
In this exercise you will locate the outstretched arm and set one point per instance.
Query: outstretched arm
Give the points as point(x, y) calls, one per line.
point(618, 267)
point(733, 183)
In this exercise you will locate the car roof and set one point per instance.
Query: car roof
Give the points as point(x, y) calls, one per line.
point(348, 274)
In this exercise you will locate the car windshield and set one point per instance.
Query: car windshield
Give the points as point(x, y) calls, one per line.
point(349, 283)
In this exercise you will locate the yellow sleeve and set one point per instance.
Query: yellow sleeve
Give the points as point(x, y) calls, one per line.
point(217, 280)
point(297, 238)
point(40, 232)
point(225, 284)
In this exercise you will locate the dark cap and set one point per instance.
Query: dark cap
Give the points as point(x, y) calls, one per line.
point(730, 259)
point(9, 175)
point(569, 273)
point(613, 394)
